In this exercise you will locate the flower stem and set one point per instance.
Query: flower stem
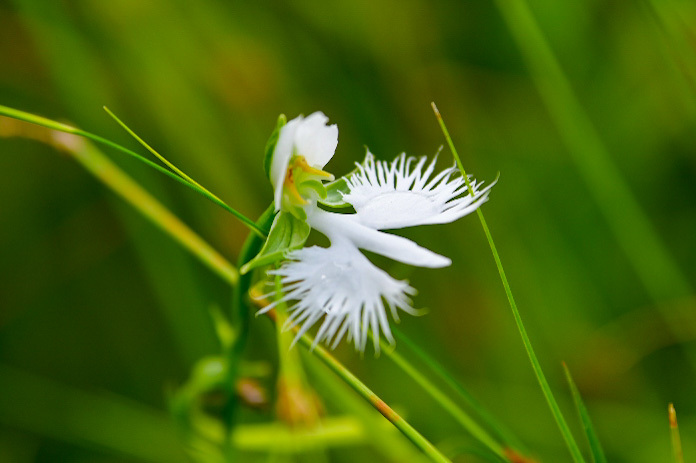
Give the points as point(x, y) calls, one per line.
point(448, 404)
point(503, 434)
point(366, 393)
point(536, 366)
point(401, 424)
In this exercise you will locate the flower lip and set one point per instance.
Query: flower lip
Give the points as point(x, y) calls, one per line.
point(308, 137)
point(342, 286)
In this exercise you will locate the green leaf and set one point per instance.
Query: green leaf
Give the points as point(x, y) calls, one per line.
point(287, 233)
point(334, 193)
point(271, 143)
point(595, 446)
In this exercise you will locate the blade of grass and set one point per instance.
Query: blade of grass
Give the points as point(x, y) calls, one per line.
point(536, 366)
point(674, 434)
point(506, 436)
point(428, 449)
point(48, 123)
point(451, 407)
point(159, 156)
point(118, 181)
point(640, 242)
point(595, 446)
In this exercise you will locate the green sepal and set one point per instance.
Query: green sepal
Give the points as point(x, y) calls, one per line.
point(334, 193)
point(287, 233)
point(271, 144)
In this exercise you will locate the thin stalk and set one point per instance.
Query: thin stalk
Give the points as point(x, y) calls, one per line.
point(674, 434)
point(366, 393)
point(536, 366)
point(157, 155)
point(447, 404)
point(48, 123)
point(644, 248)
point(503, 434)
point(102, 168)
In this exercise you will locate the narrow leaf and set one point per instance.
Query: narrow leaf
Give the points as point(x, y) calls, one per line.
point(287, 233)
point(595, 445)
point(674, 433)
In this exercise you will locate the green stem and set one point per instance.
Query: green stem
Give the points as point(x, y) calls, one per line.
point(240, 314)
point(503, 434)
point(536, 366)
point(447, 404)
point(366, 393)
point(113, 177)
point(44, 122)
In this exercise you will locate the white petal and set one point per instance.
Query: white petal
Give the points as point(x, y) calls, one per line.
point(343, 286)
point(397, 194)
point(340, 227)
point(315, 140)
point(281, 157)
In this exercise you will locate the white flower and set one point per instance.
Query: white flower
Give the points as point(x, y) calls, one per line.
point(338, 283)
point(311, 141)
point(341, 285)
point(400, 194)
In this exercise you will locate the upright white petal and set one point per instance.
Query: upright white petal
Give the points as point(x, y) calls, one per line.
point(402, 194)
point(281, 157)
point(344, 288)
point(309, 137)
point(346, 226)
point(315, 140)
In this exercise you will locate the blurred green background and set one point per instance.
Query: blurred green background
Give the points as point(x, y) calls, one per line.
point(594, 214)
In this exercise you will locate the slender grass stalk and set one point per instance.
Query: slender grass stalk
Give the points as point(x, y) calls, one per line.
point(536, 366)
point(635, 234)
point(157, 155)
point(366, 393)
point(48, 123)
point(503, 434)
point(590, 433)
point(674, 434)
point(400, 423)
point(447, 404)
point(102, 168)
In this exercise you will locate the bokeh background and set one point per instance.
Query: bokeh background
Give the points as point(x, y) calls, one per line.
point(594, 214)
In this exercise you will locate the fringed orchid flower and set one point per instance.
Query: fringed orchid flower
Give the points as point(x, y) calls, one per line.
point(338, 285)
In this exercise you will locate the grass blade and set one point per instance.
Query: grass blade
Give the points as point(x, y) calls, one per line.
point(51, 124)
point(451, 407)
point(504, 435)
point(159, 156)
point(643, 247)
point(118, 181)
point(428, 449)
point(536, 366)
point(674, 433)
point(595, 445)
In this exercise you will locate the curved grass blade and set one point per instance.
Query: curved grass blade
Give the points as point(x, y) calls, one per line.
point(674, 434)
point(159, 156)
point(595, 446)
point(536, 366)
point(51, 124)
point(459, 414)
